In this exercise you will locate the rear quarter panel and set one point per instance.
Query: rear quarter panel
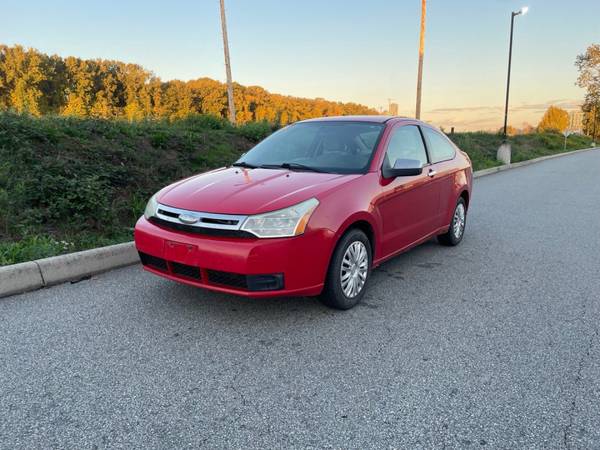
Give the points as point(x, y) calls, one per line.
point(462, 181)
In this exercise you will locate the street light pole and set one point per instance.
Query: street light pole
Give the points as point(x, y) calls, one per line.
point(512, 25)
point(421, 52)
point(227, 65)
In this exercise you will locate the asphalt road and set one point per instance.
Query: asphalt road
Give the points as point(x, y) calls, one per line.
point(493, 344)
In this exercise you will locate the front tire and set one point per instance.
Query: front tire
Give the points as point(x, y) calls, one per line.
point(457, 226)
point(349, 271)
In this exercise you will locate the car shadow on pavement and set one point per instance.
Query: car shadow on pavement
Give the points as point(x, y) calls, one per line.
point(188, 299)
point(198, 300)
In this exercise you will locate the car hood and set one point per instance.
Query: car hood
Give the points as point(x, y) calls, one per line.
point(237, 190)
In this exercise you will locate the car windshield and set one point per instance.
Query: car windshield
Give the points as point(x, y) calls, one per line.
point(324, 146)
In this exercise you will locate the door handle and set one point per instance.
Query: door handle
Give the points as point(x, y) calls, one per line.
point(432, 173)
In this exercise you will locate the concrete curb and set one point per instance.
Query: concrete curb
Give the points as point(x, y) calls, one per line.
point(32, 275)
point(484, 172)
point(19, 278)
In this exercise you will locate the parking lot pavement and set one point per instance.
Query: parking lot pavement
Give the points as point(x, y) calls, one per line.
point(494, 344)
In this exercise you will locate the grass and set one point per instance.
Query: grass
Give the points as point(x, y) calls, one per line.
point(69, 184)
point(39, 246)
point(482, 147)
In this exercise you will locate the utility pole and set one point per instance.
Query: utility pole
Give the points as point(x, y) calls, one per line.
point(421, 52)
point(227, 64)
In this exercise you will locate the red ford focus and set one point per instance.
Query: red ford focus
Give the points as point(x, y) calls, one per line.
point(310, 210)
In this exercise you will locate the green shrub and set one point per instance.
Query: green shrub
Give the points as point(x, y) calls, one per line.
point(255, 131)
point(201, 122)
point(159, 139)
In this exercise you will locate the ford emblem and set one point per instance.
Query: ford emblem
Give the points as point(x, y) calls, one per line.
point(187, 219)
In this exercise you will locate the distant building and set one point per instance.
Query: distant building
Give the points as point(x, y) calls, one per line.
point(393, 110)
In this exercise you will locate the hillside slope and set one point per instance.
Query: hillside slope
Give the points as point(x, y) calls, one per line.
point(68, 184)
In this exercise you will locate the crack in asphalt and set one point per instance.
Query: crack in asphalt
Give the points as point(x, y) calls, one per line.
point(571, 413)
point(234, 379)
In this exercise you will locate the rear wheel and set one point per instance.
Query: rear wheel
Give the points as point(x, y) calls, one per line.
point(348, 271)
point(457, 226)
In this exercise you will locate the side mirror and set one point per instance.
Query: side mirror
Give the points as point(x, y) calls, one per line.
point(403, 168)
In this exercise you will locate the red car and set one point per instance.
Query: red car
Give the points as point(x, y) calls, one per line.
point(310, 210)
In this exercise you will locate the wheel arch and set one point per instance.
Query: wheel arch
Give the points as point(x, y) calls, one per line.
point(364, 222)
point(465, 196)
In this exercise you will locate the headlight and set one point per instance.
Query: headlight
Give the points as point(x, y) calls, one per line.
point(286, 222)
point(151, 207)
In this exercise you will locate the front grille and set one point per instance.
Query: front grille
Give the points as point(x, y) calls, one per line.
point(153, 261)
point(185, 271)
point(168, 213)
point(267, 282)
point(219, 221)
point(227, 279)
point(200, 230)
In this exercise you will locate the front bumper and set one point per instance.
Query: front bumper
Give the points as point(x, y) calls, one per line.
point(248, 267)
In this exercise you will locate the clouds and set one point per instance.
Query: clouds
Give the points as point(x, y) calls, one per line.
point(486, 117)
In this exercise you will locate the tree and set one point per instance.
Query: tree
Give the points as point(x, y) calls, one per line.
point(138, 102)
point(554, 119)
point(588, 65)
point(527, 128)
point(510, 131)
point(23, 75)
point(81, 88)
point(110, 92)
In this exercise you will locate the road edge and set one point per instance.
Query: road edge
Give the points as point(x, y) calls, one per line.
point(28, 276)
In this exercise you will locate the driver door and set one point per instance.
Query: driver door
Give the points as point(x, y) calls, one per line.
point(408, 205)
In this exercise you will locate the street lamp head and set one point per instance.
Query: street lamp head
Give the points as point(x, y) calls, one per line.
point(522, 11)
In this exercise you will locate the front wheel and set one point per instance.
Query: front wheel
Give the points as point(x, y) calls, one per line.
point(457, 226)
point(348, 271)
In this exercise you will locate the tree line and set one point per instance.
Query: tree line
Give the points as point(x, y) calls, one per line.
point(36, 83)
point(557, 119)
point(588, 65)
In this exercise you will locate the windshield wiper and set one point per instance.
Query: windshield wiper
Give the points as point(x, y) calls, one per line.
point(244, 164)
point(291, 166)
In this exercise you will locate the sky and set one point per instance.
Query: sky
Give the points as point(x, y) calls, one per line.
point(344, 50)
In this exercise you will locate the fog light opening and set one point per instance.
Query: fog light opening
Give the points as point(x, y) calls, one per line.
point(269, 282)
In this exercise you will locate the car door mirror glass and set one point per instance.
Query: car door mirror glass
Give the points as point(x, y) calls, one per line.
point(404, 168)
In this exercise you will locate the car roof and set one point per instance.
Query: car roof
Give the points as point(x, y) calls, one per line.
point(374, 119)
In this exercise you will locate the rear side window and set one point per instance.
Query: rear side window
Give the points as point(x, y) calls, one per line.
point(440, 149)
point(405, 143)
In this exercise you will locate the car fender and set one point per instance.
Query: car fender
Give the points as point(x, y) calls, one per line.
point(360, 216)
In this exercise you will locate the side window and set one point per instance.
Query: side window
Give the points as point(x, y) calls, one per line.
point(406, 143)
point(440, 149)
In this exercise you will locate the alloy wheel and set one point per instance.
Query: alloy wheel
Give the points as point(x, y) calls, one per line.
point(458, 226)
point(354, 269)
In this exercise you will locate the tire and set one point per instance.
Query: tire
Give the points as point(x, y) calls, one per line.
point(457, 226)
point(353, 248)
